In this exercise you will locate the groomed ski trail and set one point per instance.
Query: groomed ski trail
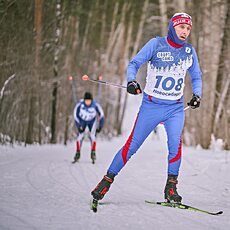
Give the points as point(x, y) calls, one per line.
point(41, 189)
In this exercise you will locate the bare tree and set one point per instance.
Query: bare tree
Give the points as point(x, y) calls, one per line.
point(221, 129)
point(55, 71)
point(98, 38)
point(164, 17)
point(34, 92)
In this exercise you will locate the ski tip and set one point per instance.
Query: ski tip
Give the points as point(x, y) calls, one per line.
point(85, 77)
point(94, 205)
point(219, 213)
point(151, 202)
point(94, 210)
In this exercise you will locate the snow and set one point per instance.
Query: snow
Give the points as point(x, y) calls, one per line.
point(41, 189)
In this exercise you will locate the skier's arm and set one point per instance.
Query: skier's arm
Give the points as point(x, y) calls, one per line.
point(195, 75)
point(76, 115)
point(101, 115)
point(144, 55)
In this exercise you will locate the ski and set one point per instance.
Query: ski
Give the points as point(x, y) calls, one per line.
point(182, 206)
point(93, 205)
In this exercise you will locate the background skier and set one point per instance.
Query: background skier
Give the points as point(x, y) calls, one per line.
point(88, 113)
point(168, 60)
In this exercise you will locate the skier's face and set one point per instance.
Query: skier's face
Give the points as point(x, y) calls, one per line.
point(88, 102)
point(182, 31)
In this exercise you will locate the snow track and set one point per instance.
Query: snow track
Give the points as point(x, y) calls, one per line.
point(41, 189)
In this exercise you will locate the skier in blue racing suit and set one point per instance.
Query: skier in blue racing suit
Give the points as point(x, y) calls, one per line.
point(88, 113)
point(168, 60)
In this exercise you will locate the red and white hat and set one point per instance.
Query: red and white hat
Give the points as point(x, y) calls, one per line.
point(181, 18)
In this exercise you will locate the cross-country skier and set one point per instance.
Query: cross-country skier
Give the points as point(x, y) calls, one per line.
point(168, 60)
point(87, 113)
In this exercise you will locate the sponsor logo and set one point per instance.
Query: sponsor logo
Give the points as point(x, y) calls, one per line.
point(182, 21)
point(165, 56)
point(166, 93)
point(187, 50)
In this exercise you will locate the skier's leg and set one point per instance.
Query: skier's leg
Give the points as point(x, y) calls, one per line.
point(174, 126)
point(146, 121)
point(79, 141)
point(92, 129)
point(140, 132)
point(136, 138)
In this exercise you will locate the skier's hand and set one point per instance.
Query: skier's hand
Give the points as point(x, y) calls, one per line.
point(194, 102)
point(133, 87)
point(98, 130)
point(81, 129)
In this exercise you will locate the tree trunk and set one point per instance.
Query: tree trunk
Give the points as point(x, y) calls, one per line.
point(35, 82)
point(164, 18)
point(141, 26)
point(125, 60)
point(180, 5)
point(55, 71)
point(209, 49)
point(221, 129)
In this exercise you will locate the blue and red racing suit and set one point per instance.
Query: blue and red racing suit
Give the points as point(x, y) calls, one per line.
point(162, 98)
point(88, 116)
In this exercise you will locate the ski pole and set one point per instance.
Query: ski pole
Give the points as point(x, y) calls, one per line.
point(186, 108)
point(87, 78)
point(73, 87)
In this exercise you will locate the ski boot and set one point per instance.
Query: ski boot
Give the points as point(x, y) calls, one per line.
point(170, 191)
point(93, 156)
point(103, 187)
point(76, 157)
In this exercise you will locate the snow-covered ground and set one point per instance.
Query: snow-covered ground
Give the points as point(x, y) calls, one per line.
point(41, 189)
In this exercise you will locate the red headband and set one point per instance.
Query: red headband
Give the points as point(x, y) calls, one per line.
point(181, 19)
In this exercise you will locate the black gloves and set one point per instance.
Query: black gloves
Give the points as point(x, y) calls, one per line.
point(133, 87)
point(81, 129)
point(194, 102)
point(98, 130)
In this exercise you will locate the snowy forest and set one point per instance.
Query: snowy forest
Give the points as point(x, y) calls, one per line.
point(47, 46)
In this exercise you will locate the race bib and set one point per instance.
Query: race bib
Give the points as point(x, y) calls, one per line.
point(166, 83)
point(87, 114)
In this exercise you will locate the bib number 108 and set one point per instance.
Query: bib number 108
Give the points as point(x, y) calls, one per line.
point(169, 83)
